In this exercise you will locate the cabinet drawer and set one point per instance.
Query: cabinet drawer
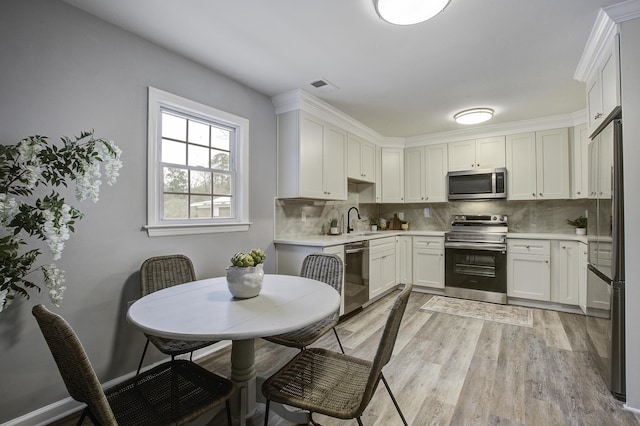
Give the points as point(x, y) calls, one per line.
point(541, 247)
point(428, 242)
point(381, 245)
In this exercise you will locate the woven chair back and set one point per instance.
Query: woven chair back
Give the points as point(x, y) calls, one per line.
point(157, 273)
point(74, 366)
point(387, 342)
point(324, 267)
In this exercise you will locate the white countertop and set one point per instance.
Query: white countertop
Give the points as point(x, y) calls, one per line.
point(334, 240)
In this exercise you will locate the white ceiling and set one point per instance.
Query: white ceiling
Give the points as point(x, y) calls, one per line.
point(515, 56)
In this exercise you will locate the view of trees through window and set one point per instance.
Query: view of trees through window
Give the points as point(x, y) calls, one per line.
point(197, 166)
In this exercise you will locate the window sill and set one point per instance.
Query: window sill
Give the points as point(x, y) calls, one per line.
point(194, 229)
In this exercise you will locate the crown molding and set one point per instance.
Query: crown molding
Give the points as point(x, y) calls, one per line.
point(606, 26)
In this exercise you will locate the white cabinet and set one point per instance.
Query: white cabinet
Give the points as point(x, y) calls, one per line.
point(312, 158)
point(565, 272)
point(372, 192)
point(600, 162)
point(382, 265)
point(428, 261)
point(603, 85)
point(485, 153)
point(404, 250)
point(392, 162)
point(360, 159)
point(538, 165)
point(528, 269)
point(579, 155)
point(425, 170)
point(583, 263)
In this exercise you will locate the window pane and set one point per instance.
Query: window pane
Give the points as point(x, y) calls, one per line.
point(200, 206)
point(198, 156)
point(175, 180)
point(174, 127)
point(198, 133)
point(220, 138)
point(174, 152)
point(219, 160)
point(221, 184)
point(176, 206)
point(222, 207)
point(200, 182)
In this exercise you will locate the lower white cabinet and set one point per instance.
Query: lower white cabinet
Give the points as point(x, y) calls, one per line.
point(404, 250)
point(565, 272)
point(428, 261)
point(382, 265)
point(583, 263)
point(529, 269)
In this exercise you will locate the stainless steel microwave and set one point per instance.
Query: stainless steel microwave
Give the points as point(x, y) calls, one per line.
point(477, 184)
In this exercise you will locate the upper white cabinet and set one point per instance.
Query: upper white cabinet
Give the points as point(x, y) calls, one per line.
point(603, 85)
point(312, 158)
point(538, 165)
point(579, 159)
point(485, 153)
point(425, 170)
point(361, 159)
point(372, 192)
point(392, 163)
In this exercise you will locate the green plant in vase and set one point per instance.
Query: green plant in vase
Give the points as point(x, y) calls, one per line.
point(580, 224)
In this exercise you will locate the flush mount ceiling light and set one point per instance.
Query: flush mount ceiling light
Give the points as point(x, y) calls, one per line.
point(473, 116)
point(408, 12)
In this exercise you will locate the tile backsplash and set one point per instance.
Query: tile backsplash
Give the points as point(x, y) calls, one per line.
point(299, 218)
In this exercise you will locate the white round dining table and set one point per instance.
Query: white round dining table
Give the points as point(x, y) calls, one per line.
point(206, 310)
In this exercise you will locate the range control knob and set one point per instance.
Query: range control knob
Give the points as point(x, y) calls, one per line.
point(494, 218)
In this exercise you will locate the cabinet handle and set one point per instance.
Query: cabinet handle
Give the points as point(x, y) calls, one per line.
point(546, 261)
point(478, 165)
point(598, 115)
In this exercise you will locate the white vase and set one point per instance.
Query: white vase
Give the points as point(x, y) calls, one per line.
point(244, 283)
point(374, 227)
point(581, 231)
point(334, 230)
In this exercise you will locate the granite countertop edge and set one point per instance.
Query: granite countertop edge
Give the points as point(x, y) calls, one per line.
point(334, 240)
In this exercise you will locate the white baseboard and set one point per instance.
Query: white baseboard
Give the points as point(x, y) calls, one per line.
point(68, 406)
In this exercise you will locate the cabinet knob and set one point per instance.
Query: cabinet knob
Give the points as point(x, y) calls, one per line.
point(478, 165)
point(541, 194)
point(472, 166)
point(598, 115)
point(426, 198)
point(546, 261)
point(578, 193)
point(533, 194)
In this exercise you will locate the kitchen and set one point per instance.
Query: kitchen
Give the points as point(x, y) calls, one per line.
point(122, 109)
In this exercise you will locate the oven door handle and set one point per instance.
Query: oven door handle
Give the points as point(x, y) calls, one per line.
point(487, 247)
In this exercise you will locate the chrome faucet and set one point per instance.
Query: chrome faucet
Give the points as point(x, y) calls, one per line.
point(349, 228)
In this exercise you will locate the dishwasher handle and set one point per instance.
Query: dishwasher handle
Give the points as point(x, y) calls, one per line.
point(356, 250)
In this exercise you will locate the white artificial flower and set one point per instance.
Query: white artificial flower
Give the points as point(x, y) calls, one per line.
point(56, 231)
point(9, 208)
point(3, 298)
point(32, 173)
point(54, 278)
point(28, 150)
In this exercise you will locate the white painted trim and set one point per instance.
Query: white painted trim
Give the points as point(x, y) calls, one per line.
point(194, 229)
point(633, 410)
point(68, 406)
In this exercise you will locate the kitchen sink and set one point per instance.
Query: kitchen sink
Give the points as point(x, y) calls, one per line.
point(361, 234)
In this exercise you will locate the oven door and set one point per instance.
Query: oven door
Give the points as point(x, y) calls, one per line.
point(478, 273)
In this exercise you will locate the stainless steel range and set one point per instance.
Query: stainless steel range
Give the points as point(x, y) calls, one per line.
point(476, 258)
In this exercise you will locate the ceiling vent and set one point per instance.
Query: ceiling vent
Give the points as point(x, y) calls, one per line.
point(323, 84)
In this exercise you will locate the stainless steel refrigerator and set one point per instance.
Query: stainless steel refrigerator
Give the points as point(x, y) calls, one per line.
point(605, 277)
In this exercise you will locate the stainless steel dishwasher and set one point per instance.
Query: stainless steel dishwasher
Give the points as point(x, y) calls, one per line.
point(356, 275)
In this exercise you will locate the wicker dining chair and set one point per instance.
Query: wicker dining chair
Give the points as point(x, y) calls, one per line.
point(157, 273)
point(335, 384)
point(175, 392)
point(327, 268)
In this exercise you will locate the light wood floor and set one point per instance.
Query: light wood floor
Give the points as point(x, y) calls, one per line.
point(452, 370)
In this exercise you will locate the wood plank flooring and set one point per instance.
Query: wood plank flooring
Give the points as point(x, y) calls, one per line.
point(452, 370)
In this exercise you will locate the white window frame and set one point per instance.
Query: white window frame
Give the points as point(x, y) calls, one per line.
point(157, 226)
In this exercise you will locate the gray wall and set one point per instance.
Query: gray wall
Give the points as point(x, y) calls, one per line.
point(64, 71)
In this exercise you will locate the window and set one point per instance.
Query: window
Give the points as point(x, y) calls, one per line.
point(197, 168)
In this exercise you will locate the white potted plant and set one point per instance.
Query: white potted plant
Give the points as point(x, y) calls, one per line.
point(580, 223)
point(333, 227)
point(373, 223)
point(245, 275)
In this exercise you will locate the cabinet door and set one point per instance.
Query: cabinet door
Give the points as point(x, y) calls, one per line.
point(552, 161)
point(382, 272)
point(462, 155)
point(579, 154)
point(565, 267)
point(521, 166)
point(392, 175)
point(403, 259)
point(594, 102)
point(334, 161)
point(435, 187)
point(311, 170)
point(353, 158)
point(583, 261)
point(490, 152)
point(368, 161)
point(360, 159)
point(414, 171)
point(375, 276)
point(388, 271)
point(610, 78)
point(528, 276)
point(428, 267)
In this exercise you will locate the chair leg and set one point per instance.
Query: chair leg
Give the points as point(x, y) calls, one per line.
point(144, 352)
point(228, 406)
point(266, 413)
point(338, 339)
point(359, 421)
point(84, 414)
point(404, 421)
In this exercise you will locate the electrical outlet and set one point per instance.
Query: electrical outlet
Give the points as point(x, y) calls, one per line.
point(401, 215)
point(427, 212)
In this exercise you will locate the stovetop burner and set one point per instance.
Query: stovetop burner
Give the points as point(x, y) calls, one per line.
point(478, 230)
